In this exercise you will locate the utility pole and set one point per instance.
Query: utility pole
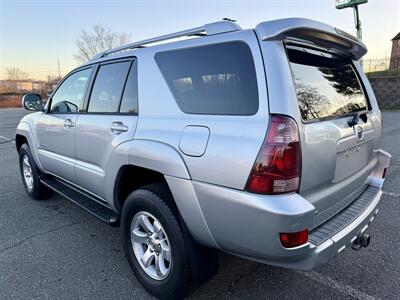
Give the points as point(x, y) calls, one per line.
point(357, 22)
point(59, 73)
point(340, 4)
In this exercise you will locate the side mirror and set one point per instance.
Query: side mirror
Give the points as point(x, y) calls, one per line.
point(32, 102)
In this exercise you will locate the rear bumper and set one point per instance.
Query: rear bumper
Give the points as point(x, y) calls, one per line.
point(248, 225)
point(322, 253)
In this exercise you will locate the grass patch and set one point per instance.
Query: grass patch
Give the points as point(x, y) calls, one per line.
point(384, 73)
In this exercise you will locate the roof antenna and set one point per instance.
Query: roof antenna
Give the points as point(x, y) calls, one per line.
point(229, 19)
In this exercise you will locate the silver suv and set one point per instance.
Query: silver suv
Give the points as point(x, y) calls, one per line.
point(263, 143)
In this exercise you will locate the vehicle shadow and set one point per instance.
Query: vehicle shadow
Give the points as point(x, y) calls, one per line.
point(240, 278)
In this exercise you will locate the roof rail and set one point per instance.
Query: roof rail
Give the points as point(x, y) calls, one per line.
point(207, 29)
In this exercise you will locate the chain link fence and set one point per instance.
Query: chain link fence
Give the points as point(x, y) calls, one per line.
point(382, 67)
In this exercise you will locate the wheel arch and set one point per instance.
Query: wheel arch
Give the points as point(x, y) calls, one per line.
point(147, 162)
point(131, 177)
point(24, 135)
point(20, 140)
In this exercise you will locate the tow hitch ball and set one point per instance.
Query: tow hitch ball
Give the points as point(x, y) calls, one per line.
point(361, 242)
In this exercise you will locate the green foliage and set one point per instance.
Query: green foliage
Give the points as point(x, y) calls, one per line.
point(384, 73)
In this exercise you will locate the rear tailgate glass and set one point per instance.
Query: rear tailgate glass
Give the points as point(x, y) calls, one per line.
point(327, 86)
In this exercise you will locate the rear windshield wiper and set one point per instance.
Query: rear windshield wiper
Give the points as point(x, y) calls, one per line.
point(356, 118)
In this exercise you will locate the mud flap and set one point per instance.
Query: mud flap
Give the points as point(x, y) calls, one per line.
point(204, 261)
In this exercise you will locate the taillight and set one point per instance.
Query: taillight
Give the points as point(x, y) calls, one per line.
point(278, 165)
point(294, 239)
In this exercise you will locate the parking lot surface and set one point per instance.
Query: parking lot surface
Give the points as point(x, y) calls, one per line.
point(52, 249)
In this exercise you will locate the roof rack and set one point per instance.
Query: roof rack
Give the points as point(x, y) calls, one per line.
point(226, 25)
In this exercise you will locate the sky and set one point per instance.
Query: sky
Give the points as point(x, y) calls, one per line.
point(35, 34)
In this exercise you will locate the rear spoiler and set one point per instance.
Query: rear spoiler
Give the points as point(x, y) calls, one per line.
point(311, 32)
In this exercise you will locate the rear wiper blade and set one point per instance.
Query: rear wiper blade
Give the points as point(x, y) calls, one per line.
point(353, 121)
point(356, 118)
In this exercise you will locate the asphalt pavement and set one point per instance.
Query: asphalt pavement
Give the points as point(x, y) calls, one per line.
point(52, 249)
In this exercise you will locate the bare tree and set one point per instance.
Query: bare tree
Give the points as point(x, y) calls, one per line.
point(97, 40)
point(13, 76)
point(312, 104)
point(16, 74)
point(53, 78)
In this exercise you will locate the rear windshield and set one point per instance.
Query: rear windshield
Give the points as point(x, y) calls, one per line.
point(326, 86)
point(213, 79)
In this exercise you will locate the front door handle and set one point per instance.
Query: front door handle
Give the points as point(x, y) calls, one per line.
point(68, 123)
point(118, 127)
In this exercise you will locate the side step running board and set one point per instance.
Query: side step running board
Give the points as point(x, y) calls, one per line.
point(82, 199)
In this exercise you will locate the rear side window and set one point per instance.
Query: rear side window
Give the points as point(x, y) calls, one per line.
point(326, 86)
point(107, 89)
point(129, 102)
point(213, 79)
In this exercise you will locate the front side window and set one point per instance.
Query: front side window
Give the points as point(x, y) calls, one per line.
point(70, 94)
point(107, 89)
point(326, 86)
point(217, 79)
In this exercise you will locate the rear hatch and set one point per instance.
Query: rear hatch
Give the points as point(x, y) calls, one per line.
point(338, 129)
point(313, 75)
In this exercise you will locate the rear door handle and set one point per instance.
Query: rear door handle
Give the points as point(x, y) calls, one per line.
point(118, 127)
point(68, 123)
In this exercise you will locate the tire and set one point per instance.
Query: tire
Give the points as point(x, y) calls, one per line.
point(35, 189)
point(155, 202)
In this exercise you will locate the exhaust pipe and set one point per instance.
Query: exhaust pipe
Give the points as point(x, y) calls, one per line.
point(361, 242)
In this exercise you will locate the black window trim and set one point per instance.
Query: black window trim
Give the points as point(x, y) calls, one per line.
point(85, 106)
point(48, 110)
point(301, 47)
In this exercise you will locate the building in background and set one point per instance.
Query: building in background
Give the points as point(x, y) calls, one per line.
point(24, 86)
point(5, 86)
point(38, 85)
point(395, 56)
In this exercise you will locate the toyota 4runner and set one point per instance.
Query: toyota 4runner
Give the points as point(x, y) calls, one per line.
point(263, 143)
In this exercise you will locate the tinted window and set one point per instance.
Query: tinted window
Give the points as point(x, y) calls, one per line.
point(70, 94)
point(129, 102)
point(213, 79)
point(108, 86)
point(325, 86)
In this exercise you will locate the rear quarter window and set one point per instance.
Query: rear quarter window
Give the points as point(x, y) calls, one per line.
point(326, 86)
point(217, 79)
